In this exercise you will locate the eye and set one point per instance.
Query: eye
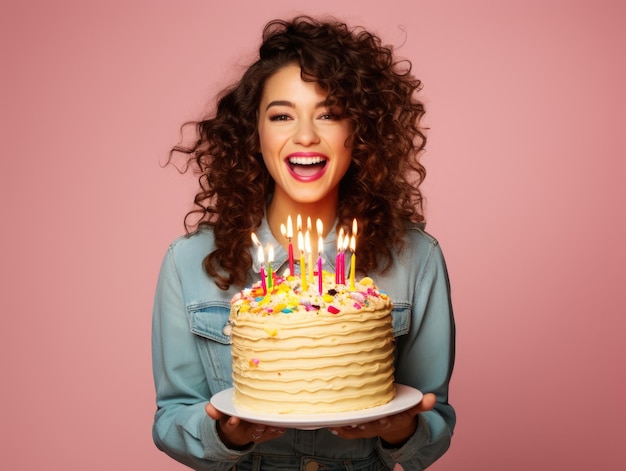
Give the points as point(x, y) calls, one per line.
point(330, 116)
point(279, 117)
point(332, 113)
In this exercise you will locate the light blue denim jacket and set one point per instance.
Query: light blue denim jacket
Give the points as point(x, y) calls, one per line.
point(192, 361)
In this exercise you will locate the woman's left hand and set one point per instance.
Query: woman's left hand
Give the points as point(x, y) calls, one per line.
point(394, 429)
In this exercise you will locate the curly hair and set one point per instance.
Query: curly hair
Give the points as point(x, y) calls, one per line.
point(376, 92)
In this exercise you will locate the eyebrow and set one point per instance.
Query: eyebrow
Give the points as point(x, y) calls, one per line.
point(292, 104)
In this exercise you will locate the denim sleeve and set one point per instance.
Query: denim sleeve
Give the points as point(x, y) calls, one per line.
point(182, 429)
point(425, 361)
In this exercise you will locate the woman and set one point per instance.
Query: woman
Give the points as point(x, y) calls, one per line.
point(324, 124)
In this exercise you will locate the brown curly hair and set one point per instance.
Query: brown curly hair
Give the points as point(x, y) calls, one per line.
point(376, 92)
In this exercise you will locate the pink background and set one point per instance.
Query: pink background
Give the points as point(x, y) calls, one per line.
point(526, 154)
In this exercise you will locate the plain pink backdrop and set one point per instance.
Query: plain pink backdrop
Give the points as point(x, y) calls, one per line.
point(526, 155)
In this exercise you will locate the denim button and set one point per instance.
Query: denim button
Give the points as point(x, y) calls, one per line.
point(312, 466)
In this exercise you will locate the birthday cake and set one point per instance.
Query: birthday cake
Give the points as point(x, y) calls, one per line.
point(312, 350)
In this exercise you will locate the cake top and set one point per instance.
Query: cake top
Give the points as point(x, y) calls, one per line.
point(286, 296)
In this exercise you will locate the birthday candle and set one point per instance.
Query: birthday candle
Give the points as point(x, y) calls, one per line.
point(352, 261)
point(338, 257)
point(302, 266)
point(353, 258)
point(270, 259)
point(319, 265)
point(289, 237)
point(309, 252)
point(287, 233)
point(320, 248)
point(346, 243)
point(261, 259)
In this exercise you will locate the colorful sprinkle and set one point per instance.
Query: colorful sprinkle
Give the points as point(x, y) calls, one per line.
point(287, 297)
point(271, 331)
point(367, 281)
point(357, 296)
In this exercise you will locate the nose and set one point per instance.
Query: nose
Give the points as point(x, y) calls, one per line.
point(306, 134)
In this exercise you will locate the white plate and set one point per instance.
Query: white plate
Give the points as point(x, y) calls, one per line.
point(406, 397)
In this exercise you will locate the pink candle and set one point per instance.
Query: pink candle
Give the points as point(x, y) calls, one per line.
point(288, 234)
point(338, 257)
point(320, 248)
point(320, 278)
point(263, 282)
point(344, 247)
point(261, 259)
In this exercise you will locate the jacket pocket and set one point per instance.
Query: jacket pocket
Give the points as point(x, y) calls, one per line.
point(210, 320)
point(401, 318)
point(209, 323)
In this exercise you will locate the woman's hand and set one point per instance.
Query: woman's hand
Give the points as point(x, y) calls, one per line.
point(394, 429)
point(237, 434)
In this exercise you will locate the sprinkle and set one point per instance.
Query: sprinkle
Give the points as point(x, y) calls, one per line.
point(254, 362)
point(271, 331)
point(333, 310)
point(367, 281)
point(357, 296)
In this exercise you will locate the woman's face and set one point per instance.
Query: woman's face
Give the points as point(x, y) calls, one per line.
point(303, 143)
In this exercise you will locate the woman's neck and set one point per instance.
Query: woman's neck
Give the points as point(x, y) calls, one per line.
point(278, 211)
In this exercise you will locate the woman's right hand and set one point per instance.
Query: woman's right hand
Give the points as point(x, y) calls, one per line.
point(238, 434)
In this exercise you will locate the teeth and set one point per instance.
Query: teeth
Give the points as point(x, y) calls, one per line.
point(305, 160)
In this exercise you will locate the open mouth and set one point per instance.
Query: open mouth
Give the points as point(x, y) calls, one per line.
point(306, 168)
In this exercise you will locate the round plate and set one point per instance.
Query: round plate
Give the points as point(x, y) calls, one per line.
point(406, 397)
